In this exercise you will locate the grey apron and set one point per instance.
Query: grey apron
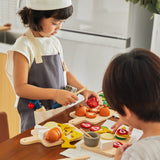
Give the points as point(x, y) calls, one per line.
point(48, 74)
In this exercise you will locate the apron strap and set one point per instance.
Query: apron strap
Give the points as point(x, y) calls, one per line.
point(38, 57)
point(63, 63)
point(30, 36)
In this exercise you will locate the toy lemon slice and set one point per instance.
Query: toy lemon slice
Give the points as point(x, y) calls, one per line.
point(50, 124)
point(107, 136)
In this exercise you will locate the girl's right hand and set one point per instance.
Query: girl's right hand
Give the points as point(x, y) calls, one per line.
point(64, 97)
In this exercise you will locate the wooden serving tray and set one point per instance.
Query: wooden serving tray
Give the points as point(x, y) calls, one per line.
point(77, 119)
point(107, 152)
point(35, 139)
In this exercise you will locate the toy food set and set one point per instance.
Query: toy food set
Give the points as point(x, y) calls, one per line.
point(52, 134)
point(109, 141)
point(94, 114)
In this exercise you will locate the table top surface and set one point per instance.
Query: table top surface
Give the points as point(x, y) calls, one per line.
point(13, 150)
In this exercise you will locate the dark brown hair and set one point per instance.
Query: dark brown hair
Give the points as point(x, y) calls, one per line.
point(133, 79)
point(32, 18)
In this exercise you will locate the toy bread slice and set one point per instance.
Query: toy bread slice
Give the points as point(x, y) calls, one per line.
point(107, 136)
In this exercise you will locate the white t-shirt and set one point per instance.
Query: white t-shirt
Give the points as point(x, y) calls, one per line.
point(145, 149)
point(47, 46)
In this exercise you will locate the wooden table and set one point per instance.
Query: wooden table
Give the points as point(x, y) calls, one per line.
point(13, 150)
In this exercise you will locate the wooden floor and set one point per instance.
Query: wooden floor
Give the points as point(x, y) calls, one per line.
point(7, 99)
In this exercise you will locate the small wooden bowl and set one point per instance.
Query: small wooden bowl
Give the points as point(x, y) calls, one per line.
point(92, 141)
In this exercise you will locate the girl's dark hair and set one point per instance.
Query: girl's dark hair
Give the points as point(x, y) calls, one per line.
point(133, 79)
point(32, 18)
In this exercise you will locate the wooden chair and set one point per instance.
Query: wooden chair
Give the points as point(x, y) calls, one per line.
point(4, 131)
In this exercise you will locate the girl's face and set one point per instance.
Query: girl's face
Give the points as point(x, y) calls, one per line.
point(50, 26)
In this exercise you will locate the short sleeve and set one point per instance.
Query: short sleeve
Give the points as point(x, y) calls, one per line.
point(22, 46)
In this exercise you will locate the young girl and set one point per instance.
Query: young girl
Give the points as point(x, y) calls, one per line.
point(35, 63)
point(131, 86)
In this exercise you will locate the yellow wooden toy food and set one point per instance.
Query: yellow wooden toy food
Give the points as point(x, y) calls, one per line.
point(50, 124)
point(107, 136)
point(66, 143)
point(75, 135)
point(68, 130)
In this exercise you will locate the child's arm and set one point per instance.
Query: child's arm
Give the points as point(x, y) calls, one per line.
point(25, 90)
point(71, 80)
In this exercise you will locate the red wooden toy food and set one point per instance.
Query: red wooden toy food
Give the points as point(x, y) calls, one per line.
point(95, 128)
point(122, 131)
point(86, 125)
point(53, 134)
point(117, 144)
point(122, 134)
point(92, 102)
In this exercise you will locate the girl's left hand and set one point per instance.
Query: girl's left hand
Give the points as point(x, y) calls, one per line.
point(87, 94)
point(120, 151)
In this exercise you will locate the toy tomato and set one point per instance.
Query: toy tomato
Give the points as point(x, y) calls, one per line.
point(92, 102)
point(95, 128)
point(122, 132)
point(86, 125)
point(117, 144)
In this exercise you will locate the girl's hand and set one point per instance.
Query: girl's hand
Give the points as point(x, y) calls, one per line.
point(64, 97)
point(120, 151)
point(87, 94)
point(118, 124)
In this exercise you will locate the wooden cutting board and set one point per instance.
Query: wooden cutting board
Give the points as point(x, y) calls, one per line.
point(107, 152)
point(77, 119)
point(35, 139)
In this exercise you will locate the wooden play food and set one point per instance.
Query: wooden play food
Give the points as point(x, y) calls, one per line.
point(92, 141)
point(90, 115)
point(92, 102)
point(53, 134)
point(104, 111)
point(86, 125)
point(122, 134)
point(94, 110)
point(81, 110)
point(107, 136)
point(117, 144)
